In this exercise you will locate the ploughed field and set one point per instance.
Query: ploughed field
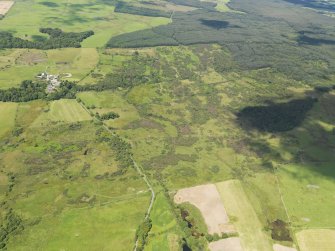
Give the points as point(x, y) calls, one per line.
point(230, 120)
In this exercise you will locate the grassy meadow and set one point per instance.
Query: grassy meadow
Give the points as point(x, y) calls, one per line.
point(62, 111)
point(7, 115)
point(62, 177)
point(26, 17)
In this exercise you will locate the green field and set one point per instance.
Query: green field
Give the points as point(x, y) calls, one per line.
point(23, 64)
point(7, 115)
point(240, 209)
point(104, 102)
point(68, 181)
point(26, 17)
point(62, 111)
point(316, 239)
point(164, 233)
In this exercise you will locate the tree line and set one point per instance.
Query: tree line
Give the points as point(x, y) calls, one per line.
point(57, 39)
point(29, 90)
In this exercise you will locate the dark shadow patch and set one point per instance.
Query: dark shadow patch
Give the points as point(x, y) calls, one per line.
point(39, 38)
point(303, 39)
point(274, 117)
point(216, 24)
point(280, 231)
point(49, 4)
point(322, 5)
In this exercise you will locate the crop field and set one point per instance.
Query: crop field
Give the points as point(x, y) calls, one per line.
point(245, 218)
point(26, 17)
point(5, 6)
point(207, 200)
point(7, 115)
point(62, 111)
point(232, 244)
point(316, 239)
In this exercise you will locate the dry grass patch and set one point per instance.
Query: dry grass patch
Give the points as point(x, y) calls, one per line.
point(229, 244)
point(5, 6)
point(207, 199)
point(278, 247)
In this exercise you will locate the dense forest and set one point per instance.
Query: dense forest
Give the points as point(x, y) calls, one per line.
point(293, 54)
point(57, 39)
point(27, 91)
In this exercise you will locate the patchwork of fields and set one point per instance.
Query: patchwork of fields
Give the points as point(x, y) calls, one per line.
point(231, 121)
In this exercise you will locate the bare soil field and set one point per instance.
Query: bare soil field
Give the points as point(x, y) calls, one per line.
point(278, 247)
point(229, 244)
point(5, 6)
point(207, 199)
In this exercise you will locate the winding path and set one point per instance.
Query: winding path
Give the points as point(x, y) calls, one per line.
point(153, 195)
point(138, 169)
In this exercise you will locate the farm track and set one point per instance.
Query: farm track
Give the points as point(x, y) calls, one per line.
point(140, 172)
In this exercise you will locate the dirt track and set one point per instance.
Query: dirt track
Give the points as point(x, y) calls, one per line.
point(207, 199)
point(5, 6)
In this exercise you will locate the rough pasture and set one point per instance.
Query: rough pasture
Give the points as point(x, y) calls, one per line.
point(7, 117)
